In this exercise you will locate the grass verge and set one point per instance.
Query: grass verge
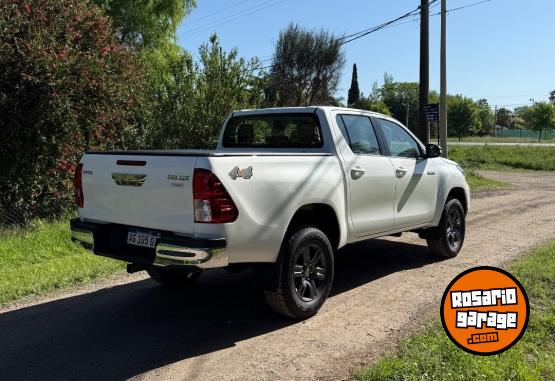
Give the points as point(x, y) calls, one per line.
point(504, 158)
point(430, 355)
point(44, 259)
point(496, 139)
point(479, 183)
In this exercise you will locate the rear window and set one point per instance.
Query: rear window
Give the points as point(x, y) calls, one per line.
point(273, 131)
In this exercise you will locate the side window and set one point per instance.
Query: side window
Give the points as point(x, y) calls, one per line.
point(399, 141)
point(360, 133)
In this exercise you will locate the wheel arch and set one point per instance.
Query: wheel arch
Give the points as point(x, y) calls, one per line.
point(321, 216)
point(459, 194)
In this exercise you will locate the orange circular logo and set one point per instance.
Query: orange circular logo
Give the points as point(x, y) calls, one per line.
point(485, 310)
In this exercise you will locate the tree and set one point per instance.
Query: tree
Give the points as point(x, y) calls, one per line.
point(504, 117)
point(66, 85)
point(540, 117)
point(463, 116)
point(519, 118)
point(306, 67)
point(192, 101)
point(146, 23)
point(371, 103)
point(552, 97)
point(486, 117)
point(354, 91)
point(400, 97)
point(378, 107)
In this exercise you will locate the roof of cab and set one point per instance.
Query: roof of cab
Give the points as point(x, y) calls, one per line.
point(300, 109)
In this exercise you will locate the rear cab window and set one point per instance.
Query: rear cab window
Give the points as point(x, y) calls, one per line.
point(297, 130)
point(360, 134)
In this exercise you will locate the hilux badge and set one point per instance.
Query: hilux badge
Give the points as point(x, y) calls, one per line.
point(245, 173)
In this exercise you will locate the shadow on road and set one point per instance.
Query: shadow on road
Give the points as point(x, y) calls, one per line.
point(126, 330)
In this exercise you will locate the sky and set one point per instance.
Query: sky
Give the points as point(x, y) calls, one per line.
point(501, 50)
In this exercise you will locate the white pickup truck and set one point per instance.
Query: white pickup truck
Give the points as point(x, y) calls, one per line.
point(284, 190)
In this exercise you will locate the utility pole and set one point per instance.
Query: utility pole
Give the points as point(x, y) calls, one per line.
point(424, 127)
point(443, 81)
point(495, 121)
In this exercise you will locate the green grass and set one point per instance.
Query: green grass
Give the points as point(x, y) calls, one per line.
point(43, 259)
point(495, 139)
point(480, 183)
point(504, 158)
point(430, 355)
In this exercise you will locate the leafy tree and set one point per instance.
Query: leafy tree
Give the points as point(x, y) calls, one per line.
point(486, 117)
point(540, 117)
point(400, 96)
point(378, 107)
point(552, 97)
point(354, 91)
point(306, 67)
point(371, 103)
point(519, 117)
point(463, 115)
point(504, 117)
point(66, 85)
point(191, 102)
point(146, 23)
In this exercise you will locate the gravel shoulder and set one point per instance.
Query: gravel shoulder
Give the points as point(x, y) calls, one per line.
point(220, 328)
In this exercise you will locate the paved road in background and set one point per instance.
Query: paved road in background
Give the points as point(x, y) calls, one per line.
point(501, 144)
point(221, 329)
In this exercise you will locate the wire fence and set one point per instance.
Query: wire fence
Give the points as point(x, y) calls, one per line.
point(19, 219)
point(531, 134)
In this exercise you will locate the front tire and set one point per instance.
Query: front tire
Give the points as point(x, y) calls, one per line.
point(448, 237)
point(171, 277)
point(304, 274)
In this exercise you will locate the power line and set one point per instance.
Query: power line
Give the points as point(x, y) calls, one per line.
point(216, 12)
point(234, 16)
point(355, 36)
point(467, 6)
point(395, 22)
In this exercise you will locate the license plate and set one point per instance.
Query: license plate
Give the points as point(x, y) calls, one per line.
point(142, 238)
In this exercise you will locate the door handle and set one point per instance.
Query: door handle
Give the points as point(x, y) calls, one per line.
point(400, 171)
point(357, 172)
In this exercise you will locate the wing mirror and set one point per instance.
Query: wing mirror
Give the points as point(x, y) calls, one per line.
point(432, 150)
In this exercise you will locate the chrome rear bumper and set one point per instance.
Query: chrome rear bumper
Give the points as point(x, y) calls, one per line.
point(171, 250)
point(201, 257)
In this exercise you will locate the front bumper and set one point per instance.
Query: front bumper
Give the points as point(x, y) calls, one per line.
point(109, 240)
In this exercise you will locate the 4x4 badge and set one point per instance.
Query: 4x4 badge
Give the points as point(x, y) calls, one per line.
point(245, 173)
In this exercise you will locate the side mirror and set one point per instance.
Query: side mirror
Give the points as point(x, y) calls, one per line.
point(432, 150)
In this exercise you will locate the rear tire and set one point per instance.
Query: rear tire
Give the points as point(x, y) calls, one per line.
point(447, 239)
point(304, 274)
point(173, 277)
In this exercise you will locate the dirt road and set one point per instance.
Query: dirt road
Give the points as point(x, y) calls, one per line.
point(221, 328)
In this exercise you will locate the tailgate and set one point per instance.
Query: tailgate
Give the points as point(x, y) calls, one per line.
point(140, 190)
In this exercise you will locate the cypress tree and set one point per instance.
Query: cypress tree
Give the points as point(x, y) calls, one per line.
point(354, 92)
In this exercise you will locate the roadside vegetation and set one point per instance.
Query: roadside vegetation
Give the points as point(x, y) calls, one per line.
point(430, 355)
point(504, 158)
point(499, 139)
point(44, 259)
point(478, 182)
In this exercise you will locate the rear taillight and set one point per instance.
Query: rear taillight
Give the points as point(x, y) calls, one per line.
point(211, 201)
point(78, 186)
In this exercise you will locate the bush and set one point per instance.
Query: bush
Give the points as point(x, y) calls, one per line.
point(189, 101)
point(66, 85)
